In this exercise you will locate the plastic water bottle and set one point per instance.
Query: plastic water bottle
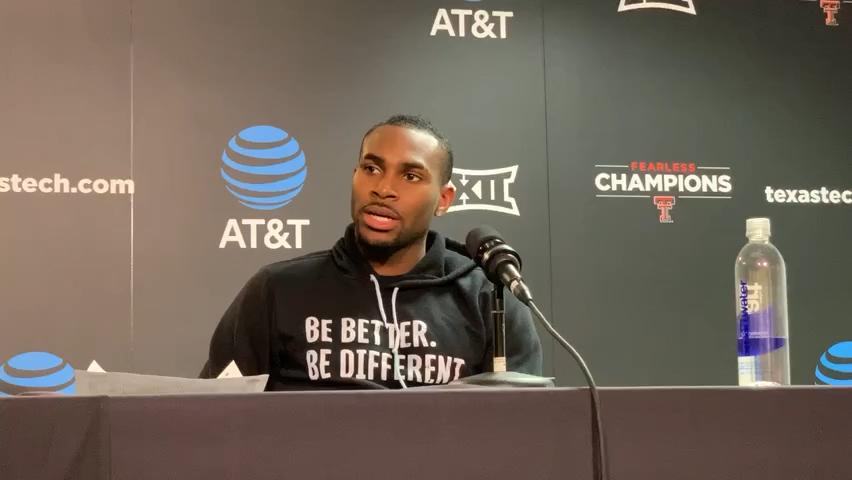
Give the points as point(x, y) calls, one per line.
point(761, 300)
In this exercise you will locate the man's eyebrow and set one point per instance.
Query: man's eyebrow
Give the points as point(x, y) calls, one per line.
point(375, 158)
point(412, 165)
point(406, 165)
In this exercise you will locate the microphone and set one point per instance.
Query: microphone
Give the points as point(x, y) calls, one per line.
point(502, 266)
point(501, 263)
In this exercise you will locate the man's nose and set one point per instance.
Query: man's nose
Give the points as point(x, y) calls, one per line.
point(384, 189)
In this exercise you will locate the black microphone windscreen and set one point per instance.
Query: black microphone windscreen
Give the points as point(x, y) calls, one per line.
point(478, 236)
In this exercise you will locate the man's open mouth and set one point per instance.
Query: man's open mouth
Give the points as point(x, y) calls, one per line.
point(380, 218)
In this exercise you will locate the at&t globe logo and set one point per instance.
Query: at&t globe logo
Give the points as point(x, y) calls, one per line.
point(270, 161)
point(36, 372)
point(264, 168)
point(835, 365)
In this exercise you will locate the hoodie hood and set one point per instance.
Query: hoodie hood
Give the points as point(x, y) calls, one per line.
point(446, 260)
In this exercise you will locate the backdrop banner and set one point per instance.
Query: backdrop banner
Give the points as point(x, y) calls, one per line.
point(618, 145)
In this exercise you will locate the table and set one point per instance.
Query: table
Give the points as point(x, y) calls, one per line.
point(799, 433)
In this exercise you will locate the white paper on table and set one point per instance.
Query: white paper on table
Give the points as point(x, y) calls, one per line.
point(117, 384)
point(95, 367)
point(231, 371)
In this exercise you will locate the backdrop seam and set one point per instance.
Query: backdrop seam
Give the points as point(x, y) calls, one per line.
point(547, 175)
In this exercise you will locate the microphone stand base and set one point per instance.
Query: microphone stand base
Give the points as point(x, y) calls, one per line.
point(504, 379)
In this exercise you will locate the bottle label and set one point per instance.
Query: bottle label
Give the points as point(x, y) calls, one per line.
point(747, 370)
point(499, 364)
point(755, 336)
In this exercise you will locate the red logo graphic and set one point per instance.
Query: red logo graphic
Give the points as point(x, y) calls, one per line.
point(664, 205)
point(830, 7)
point(666, 183)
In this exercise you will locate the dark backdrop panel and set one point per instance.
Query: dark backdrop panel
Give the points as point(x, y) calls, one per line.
point(758, 91)
point(324, 72)
point(65, 110)
point(759, 87)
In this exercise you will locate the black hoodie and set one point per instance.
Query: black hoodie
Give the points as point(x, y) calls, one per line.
point(327, 320)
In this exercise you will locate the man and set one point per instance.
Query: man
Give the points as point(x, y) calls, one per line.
point(392, 304)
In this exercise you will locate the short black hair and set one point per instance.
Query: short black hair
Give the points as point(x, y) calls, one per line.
point(418, 122)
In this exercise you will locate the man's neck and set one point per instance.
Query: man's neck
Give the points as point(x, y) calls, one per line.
point(401, 261)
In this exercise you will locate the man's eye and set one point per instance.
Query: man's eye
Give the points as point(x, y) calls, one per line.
point(412, 177)
point(370, 168)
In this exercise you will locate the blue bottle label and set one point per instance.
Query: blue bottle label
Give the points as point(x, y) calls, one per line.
point(756, 335)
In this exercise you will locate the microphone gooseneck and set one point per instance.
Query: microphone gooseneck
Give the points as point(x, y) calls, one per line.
point(498, 316)
point(502, 267)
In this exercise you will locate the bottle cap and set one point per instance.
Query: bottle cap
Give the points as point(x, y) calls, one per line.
point(758, 227)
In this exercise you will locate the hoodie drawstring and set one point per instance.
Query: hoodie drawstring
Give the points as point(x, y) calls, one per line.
point(394, 345)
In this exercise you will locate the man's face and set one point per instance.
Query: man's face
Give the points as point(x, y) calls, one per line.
point(397, 186)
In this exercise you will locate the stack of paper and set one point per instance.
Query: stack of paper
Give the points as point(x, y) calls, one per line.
point(95, 381)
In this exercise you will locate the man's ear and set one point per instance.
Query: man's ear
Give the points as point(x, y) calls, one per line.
point(448, 194)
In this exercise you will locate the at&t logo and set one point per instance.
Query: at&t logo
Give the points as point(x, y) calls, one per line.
point(835, 365)
point(32, 372)
point(459, 22)
point(484, 190)
point(264, 169)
